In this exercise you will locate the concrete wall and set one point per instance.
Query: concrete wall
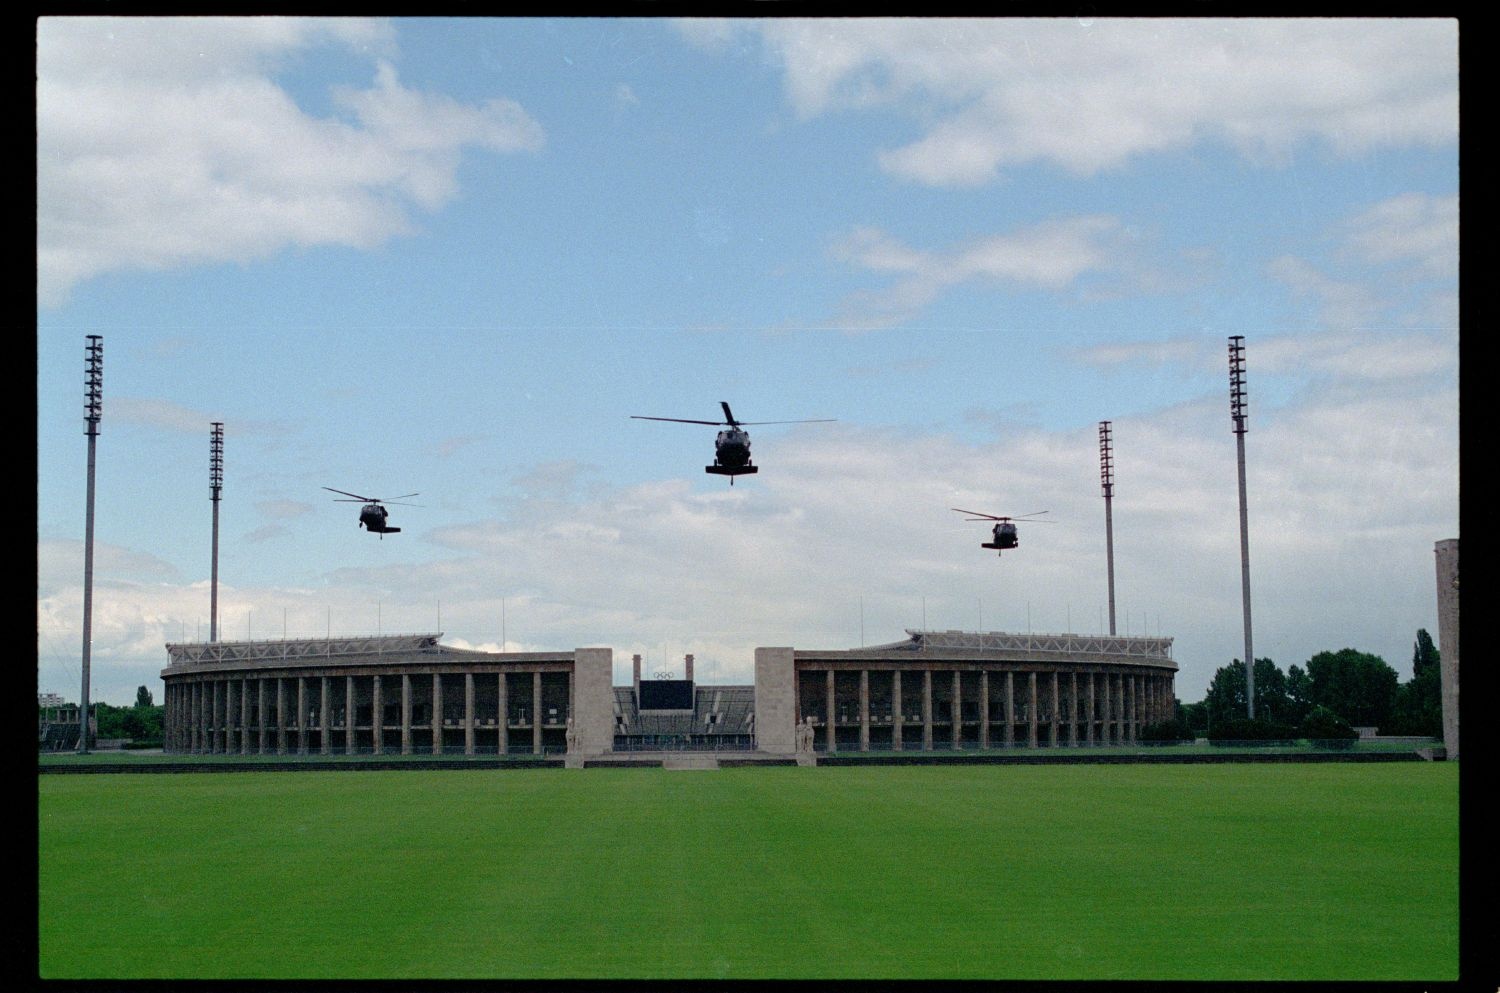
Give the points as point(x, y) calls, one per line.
point(775, 701)
point(1447, 603)
point(593, 700)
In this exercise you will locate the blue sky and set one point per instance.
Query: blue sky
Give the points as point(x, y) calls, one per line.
point(453, 256)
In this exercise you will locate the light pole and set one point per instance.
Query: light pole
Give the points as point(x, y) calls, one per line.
point(93, 410)
point(215, 486)
point(1107, 480)
point(1237, 407)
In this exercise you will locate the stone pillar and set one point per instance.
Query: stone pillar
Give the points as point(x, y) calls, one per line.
point(864, 710)
point(927, 709)
point(984, 708)
point(898, 719)
point(325, 721)
point(1010, 709)
point(264, 732)
point(502, 702)
point(1118, 708)
point(195, 717)
point(1031, 683)
point(956, 710)
point(1124, 685)
point(687, 663)
point(635, 677)
point(280, 716)
point(350, 721)
point(1056, 713)
point(406, 713)
point(244, 717)
point(1073, 709)
point(775, 701)
point(1448, 640)
point(301, 715)
point(215, 718)
point(1089, 712)
point(1106, 717)
point(536, 718)
point(593, 710)
point(468, 713)
point(377, 716)
point(437, 714)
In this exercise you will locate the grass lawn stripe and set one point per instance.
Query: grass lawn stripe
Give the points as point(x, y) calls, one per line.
point(1015, 872)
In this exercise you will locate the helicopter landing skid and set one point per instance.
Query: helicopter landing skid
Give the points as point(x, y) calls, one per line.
point(725, 470)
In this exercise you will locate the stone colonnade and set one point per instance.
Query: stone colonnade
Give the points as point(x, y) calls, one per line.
point(394, 710)
point(899, 708)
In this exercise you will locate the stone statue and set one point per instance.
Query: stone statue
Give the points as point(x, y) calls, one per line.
point(572, 736)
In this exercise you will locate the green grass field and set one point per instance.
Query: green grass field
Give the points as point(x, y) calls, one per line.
point(1299, 872)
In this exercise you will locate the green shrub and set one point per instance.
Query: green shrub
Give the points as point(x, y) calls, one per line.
point(1173, 730)
point(1258, 731)
point(1328, 729)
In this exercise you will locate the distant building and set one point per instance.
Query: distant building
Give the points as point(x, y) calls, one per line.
point(409, 694)
point(49, 700)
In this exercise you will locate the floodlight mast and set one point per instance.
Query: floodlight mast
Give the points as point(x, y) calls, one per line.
point(93, 411)
point(215, 487)
point(1237, 410)
point(1107, 481)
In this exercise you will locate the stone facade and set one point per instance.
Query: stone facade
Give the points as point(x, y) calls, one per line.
point(407, 694)
point(1448, 640)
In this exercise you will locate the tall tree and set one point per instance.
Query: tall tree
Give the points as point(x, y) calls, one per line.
point(1424, 654)
point(1299, 692)
point(1419, 702)
point(143, 697)
point(1357, 686)
point(1225, 700)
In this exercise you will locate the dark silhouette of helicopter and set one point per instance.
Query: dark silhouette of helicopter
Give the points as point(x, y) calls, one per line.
point(372, 515)
point(732, 446)
point(1004, 532)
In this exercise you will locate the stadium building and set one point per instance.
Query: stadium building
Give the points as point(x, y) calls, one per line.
point(409, 694)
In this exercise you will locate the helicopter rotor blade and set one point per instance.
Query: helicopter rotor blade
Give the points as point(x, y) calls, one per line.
point(728, 418)
point(401, 497)
point(674, 420)
point(978, 516)
point(815, 420)
point(348, 494)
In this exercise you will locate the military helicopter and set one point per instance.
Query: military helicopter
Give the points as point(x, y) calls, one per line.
point(372, 515)
point(1005, 535)
point(732, 446)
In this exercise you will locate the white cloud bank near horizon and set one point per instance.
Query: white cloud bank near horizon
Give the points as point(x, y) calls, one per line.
point(1350, 485)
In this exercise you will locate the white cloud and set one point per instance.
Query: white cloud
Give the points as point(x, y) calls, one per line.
point(1336, 303)
point(1406, 244)
point(165, 142)
point(158, 413)
point(1088, 96)
point(283, 509)
point(1051, 255)
point(1414, 230)
point(1349, 487)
